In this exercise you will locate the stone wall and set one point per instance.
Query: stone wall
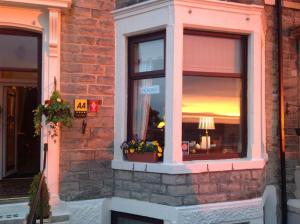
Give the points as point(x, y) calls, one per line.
point(87, 71)
point(189, 189)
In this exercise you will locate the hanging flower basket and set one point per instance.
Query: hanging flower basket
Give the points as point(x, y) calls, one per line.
point(56, 111)
point(142, 151)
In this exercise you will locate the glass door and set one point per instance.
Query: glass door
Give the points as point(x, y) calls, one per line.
point(9, 131)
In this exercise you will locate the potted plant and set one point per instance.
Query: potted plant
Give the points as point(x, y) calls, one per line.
point(45, 200)
point(56, 111)
point(142, 151)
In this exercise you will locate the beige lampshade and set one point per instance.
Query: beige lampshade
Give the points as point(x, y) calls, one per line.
point(206, 123)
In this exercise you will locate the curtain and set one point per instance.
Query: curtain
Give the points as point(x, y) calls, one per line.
point(141, 109)
point(142, 101)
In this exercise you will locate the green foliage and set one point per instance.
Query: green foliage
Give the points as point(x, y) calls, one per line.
point(56, 111)
point(32, 192)
point(141, 146)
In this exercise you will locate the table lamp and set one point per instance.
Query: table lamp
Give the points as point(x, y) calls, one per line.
point(206, 123)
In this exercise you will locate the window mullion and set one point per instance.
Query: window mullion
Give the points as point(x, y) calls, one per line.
point(173, 152)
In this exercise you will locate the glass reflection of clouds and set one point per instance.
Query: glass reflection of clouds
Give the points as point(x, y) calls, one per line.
point(211, 95)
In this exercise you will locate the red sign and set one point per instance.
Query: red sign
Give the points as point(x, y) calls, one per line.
point(93, 105)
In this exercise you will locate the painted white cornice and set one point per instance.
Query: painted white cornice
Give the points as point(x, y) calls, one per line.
point(208, 4)
point(40, 3)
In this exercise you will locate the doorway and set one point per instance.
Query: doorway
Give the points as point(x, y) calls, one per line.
point(20, 79)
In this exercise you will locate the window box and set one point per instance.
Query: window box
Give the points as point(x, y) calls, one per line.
point(147, 157)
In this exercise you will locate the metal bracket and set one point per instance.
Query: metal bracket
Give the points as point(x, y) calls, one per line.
point(84, 124)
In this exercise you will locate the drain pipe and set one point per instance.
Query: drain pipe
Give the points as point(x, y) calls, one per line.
point(281, 114)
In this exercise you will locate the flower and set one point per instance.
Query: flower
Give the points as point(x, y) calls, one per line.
point(55, 111)
point(155, 143)
point(159, 149)
point(140, 146)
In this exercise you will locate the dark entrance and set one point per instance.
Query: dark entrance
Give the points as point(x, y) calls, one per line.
point(20, 81)
point(125, 218)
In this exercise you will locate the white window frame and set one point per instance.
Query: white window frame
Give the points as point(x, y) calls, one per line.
point(174, 16)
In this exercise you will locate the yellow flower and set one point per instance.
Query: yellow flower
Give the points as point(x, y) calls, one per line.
point(131, 150)
point(159, 149)
point(159, 154)
point(155, 143)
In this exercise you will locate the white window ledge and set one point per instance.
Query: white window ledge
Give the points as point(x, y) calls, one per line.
point(191, 166)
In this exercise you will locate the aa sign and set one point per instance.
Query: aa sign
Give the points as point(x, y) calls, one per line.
point(80, 105)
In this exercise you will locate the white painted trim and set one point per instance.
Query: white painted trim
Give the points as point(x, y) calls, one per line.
point(52, 169)
point(156, 4)
point(174, 16)
point(173, 86)
point(224, 212)
point(48, 22)
point(43, 3)
point(200, 166)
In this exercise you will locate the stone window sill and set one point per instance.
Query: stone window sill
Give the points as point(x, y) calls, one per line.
point(187, 167)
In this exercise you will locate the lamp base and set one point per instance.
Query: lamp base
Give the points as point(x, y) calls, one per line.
point(203, 144)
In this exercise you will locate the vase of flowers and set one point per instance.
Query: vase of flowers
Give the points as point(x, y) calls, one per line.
point(56, 111)
point(142, 151)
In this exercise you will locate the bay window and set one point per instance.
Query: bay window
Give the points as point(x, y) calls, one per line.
point(146, 87)
point(214, 95)
point(198, 87)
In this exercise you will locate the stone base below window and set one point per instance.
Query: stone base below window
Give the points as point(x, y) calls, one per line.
point(189, 189)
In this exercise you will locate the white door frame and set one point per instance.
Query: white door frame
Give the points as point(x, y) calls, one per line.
point(44, 17)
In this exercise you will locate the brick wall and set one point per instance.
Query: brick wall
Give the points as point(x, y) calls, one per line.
point(291, 19)
point(189, 189)
point(87, 71)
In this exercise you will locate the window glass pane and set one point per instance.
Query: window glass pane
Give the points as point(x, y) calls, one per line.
point(215, 103)
point(149, 56)
point(18, 51)
point(211, 54)
point(149, 109)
